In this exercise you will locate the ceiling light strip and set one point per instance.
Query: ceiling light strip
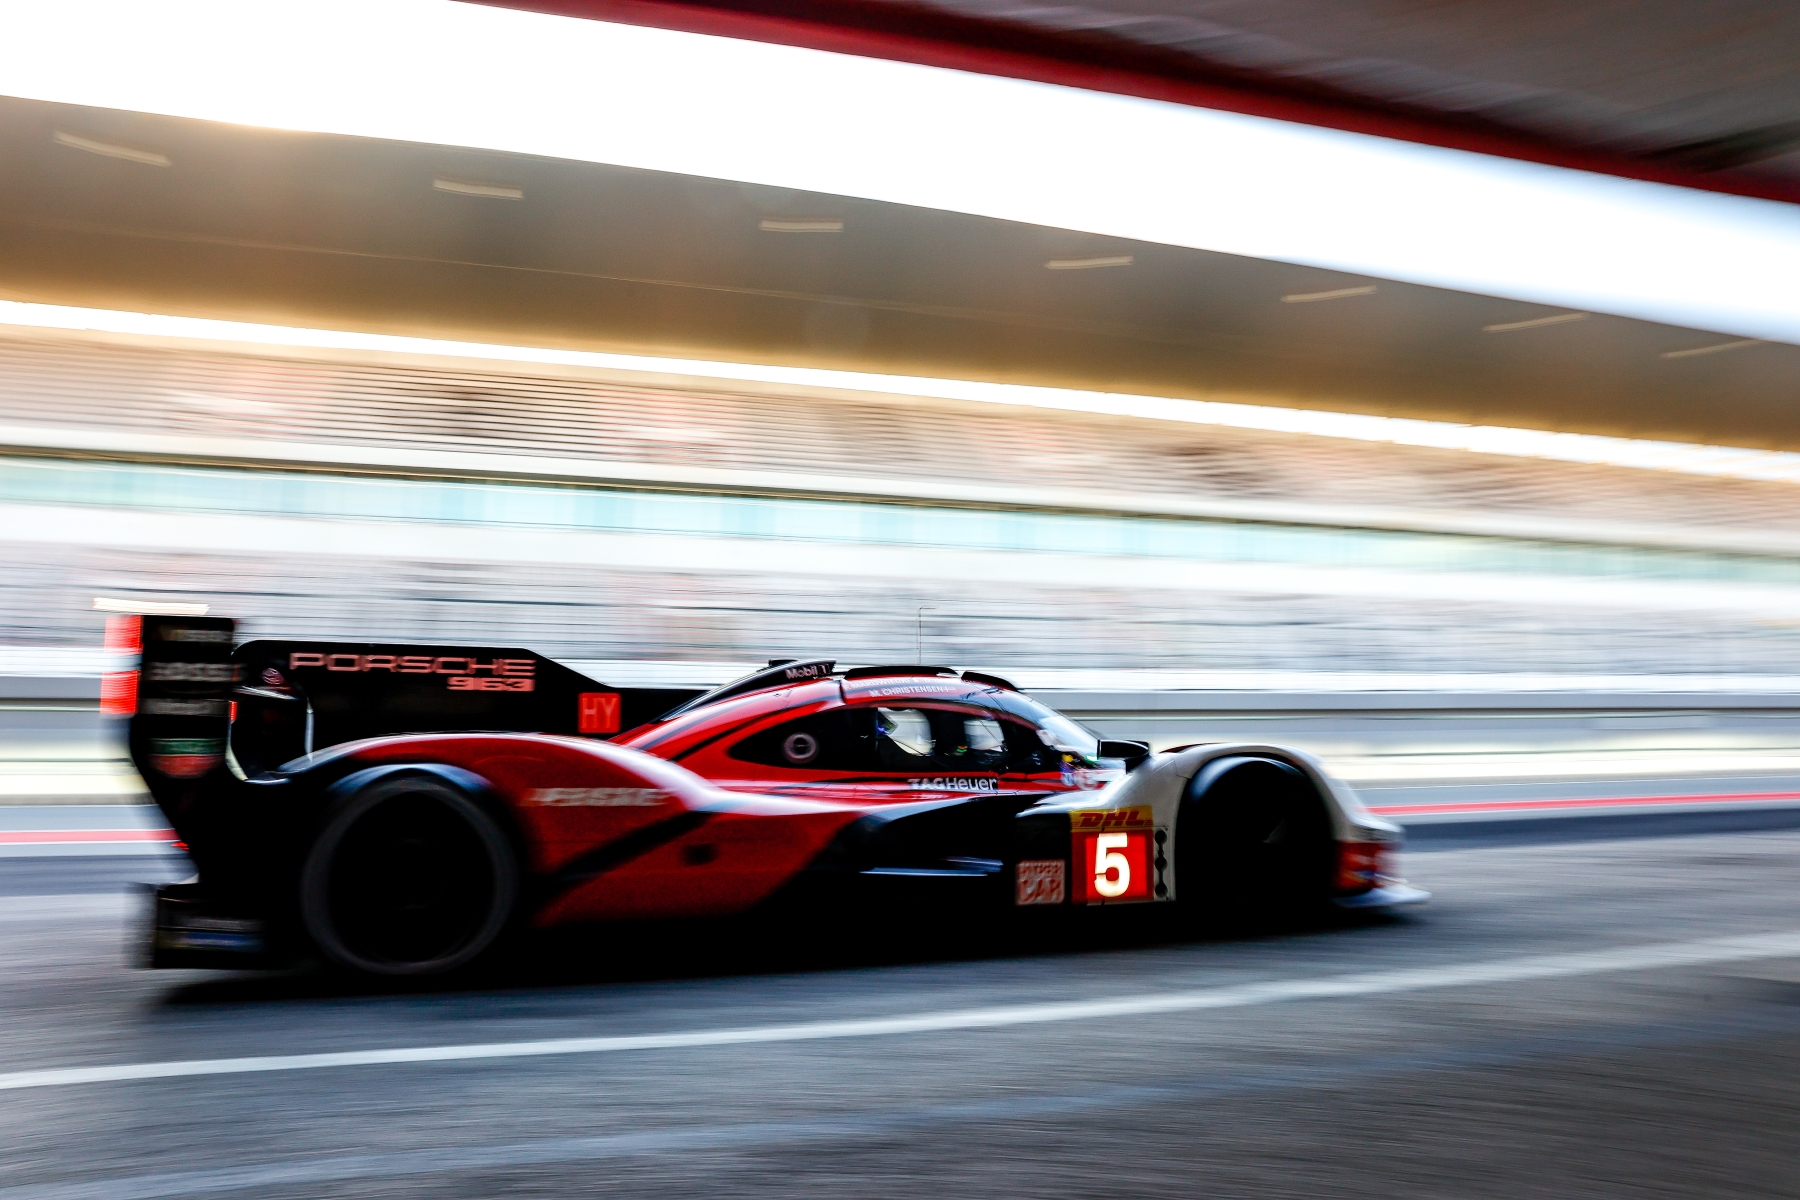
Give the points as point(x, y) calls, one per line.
point(1088, 264)
point(802, 225)
point(492, 191)
point(1335, 294)
point(75, 141)
point(1534, 323)
point(1720, 348)
point(1687, 458)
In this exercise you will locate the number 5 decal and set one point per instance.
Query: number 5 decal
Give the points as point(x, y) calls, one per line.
point(1117, 867)
point(1112, 870)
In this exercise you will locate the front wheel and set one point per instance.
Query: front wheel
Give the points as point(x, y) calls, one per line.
point(1253, 843)
point(409, 876)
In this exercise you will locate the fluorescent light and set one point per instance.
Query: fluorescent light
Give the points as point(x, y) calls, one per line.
point(1687, 458)
point(1718, 349)
point(809, 225)
point(149, 158)
point(494, 191)
point(1339, 294)
point(929, 137)
point(1538, 323)
point(1086, 264)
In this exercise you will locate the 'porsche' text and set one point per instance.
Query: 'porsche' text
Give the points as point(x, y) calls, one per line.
point(466, 673)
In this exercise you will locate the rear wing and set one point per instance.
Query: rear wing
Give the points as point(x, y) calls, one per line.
point(368, 689)
point(278, 700)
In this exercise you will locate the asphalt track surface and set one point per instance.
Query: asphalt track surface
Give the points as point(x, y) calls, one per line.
point(1595, 1017)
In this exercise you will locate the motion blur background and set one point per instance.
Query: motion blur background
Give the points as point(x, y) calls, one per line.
point(665, 425)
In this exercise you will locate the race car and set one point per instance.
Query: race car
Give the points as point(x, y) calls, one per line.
point(401, 810)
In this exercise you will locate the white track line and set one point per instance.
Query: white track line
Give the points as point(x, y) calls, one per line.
point(1783, 944)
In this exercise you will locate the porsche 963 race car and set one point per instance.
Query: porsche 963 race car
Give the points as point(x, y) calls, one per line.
point(401, 809)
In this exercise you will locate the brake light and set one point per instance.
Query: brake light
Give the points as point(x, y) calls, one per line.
point(1360, 866)
point(118, 694)
point(124, 635)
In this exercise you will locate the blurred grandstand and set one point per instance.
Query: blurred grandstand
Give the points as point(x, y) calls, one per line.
point(788, 477)
point(596, 517)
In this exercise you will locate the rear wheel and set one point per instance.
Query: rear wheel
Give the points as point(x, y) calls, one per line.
point(1253, 842)
point(409, 876)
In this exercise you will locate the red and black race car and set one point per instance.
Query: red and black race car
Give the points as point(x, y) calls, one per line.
point(400, 809)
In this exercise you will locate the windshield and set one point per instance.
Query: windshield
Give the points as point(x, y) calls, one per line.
point(1063, 733)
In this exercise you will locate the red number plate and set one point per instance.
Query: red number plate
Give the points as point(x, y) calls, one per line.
point(1113, 866)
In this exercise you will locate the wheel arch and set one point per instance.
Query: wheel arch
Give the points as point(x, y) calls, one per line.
point(1189, 838)
point(476, 787)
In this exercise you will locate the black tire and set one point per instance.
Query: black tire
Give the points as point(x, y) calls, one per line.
point(409, 876)
point(1253, 843)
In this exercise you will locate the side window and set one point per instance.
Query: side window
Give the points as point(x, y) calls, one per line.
point(937, 739)
point(905, 739)
point(984, 743)
point(891, 741)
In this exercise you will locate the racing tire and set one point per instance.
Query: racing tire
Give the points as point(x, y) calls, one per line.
point(408, 876)
point(1253, 844)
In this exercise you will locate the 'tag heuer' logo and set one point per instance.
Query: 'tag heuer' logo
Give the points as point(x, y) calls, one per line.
point(465, 673)
point(957, 783)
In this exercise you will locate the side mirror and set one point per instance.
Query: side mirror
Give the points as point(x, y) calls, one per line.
point(1134, 753)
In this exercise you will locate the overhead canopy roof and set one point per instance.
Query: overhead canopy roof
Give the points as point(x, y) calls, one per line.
point(356, 233)
point(1704, 95)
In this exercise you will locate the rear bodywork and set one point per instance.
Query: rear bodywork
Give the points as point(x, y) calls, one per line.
point(619, 809)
